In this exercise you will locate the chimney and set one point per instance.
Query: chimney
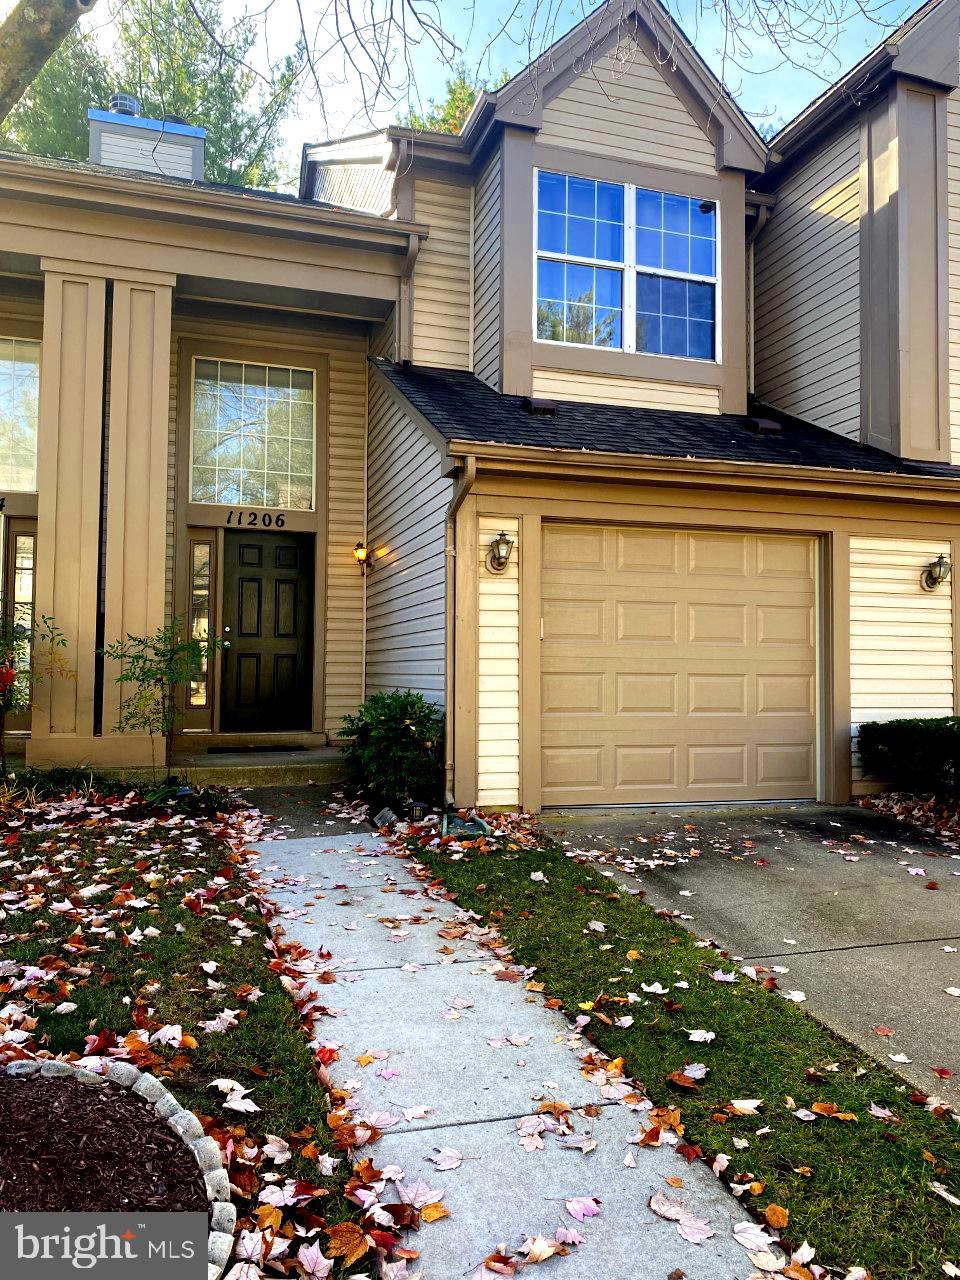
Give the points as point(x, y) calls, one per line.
point(121, 138)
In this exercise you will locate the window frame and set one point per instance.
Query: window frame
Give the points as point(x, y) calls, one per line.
point(243, 360)
point(629, 269)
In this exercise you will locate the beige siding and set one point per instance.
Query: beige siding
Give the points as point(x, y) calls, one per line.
point(953, 259)
point(901, 637)
point(591, 388)
point(498, 716)
point(621, 106)
point(147, 153)
point(442, 278)
point(486, 266)
point(807, 291)
point(347, 433)
point(407, 502)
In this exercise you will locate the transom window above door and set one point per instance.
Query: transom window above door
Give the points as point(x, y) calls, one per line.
point(19, 413)
point(625, 267)
point(253, 435)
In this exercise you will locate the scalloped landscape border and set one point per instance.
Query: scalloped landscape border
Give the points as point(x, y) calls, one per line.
point(206, 1152)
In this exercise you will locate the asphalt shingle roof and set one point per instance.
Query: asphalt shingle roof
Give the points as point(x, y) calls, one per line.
point(462, 407)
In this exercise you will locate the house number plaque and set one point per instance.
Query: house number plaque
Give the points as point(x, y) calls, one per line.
point(257, 519)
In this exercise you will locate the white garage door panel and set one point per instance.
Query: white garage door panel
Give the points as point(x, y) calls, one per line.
point(677, 666)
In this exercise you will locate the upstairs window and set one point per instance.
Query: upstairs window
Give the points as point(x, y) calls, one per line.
point(19, 413)
point(626, 268)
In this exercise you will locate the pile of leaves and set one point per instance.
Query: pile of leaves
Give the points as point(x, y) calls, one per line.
point(136, 931)
point(816, 1140)
point(936, 816)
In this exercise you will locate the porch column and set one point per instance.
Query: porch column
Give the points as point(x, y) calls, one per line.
point(135, 583)
point(68, 505)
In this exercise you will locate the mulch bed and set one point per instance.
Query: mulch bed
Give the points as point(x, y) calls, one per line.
point(71, 1147)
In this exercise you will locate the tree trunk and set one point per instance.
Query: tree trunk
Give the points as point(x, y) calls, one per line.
point(29, 35)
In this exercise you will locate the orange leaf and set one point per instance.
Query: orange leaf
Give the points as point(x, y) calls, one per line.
point(776, 1216)
point(825, 1108)
point(434, 1212)
point(347, 1241)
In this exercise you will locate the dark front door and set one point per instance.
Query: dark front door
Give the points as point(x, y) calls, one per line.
point(268, 626)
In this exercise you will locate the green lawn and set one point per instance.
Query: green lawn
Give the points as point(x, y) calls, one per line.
point(858, 1189)
point(168, 897)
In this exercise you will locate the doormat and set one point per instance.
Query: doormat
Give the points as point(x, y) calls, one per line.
point(248, 750)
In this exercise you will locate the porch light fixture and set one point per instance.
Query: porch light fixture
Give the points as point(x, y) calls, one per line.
point(936, 572)
point(498, 557)
point(361, 553)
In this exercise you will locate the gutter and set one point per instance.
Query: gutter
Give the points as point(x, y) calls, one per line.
point(464, 486)
point(546, 462)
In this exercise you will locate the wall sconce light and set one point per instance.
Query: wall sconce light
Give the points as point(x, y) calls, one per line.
point(361, 553)
point(498, 556)
point(937, 571)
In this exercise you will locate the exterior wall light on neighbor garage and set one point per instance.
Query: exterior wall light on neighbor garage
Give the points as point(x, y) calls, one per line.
point(361, 553)
point(498, 556)
point(937, 571)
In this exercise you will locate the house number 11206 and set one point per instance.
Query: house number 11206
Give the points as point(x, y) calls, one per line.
point(258, 519)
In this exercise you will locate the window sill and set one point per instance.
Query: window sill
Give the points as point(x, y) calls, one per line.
point(623, 364)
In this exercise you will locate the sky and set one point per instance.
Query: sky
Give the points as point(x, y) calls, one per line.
point(769, 86)
point(492, 36)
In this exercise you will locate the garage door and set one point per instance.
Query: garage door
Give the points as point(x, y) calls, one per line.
point(676, 666)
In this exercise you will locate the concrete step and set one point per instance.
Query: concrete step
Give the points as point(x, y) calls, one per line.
point(261, 768)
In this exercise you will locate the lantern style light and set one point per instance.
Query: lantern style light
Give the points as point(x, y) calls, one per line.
point(361, 553)
point(936, 572)
point(498, 557)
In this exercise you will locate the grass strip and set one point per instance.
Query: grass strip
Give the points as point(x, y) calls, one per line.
point(138, 919)
point(858, 1189)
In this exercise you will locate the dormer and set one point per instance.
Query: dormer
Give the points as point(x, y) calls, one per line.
point(586, 226)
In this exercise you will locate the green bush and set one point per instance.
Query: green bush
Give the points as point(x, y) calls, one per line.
point(395, 747)
point(919, 755)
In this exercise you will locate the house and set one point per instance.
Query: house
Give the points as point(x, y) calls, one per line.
point(645, 426)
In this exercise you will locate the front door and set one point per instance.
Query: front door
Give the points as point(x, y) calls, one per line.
point(267, 657)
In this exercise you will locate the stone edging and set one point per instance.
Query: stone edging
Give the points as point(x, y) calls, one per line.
point(184, 1123)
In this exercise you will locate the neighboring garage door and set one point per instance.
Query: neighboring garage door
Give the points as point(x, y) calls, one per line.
point(677, 666)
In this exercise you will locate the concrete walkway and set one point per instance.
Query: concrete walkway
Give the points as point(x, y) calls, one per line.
point(863, 911)
point(417, 1000)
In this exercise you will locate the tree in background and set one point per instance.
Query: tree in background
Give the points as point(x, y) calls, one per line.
point(51, 117)
point(179, 59)
point(448, 114)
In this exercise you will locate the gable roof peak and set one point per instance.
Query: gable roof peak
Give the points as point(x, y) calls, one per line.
point(647, 24)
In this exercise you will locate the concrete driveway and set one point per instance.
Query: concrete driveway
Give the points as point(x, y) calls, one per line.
point(863, 913)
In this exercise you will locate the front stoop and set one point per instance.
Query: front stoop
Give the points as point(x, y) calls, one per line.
point(261, 768)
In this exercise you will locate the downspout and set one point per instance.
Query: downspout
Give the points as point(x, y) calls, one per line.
point(450, 561)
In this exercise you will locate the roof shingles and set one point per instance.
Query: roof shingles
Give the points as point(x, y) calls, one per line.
point(462, 407)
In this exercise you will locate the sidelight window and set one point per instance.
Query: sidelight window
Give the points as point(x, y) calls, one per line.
point(19, 413)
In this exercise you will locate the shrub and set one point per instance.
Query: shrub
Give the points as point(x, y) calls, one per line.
point(395, 746)
point(919, 755)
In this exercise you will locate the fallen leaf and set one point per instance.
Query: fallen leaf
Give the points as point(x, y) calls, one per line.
point(446, 1158)
point(434, 1212)
point(347, 1241)
point(582, 1207)
point(776, 1216)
